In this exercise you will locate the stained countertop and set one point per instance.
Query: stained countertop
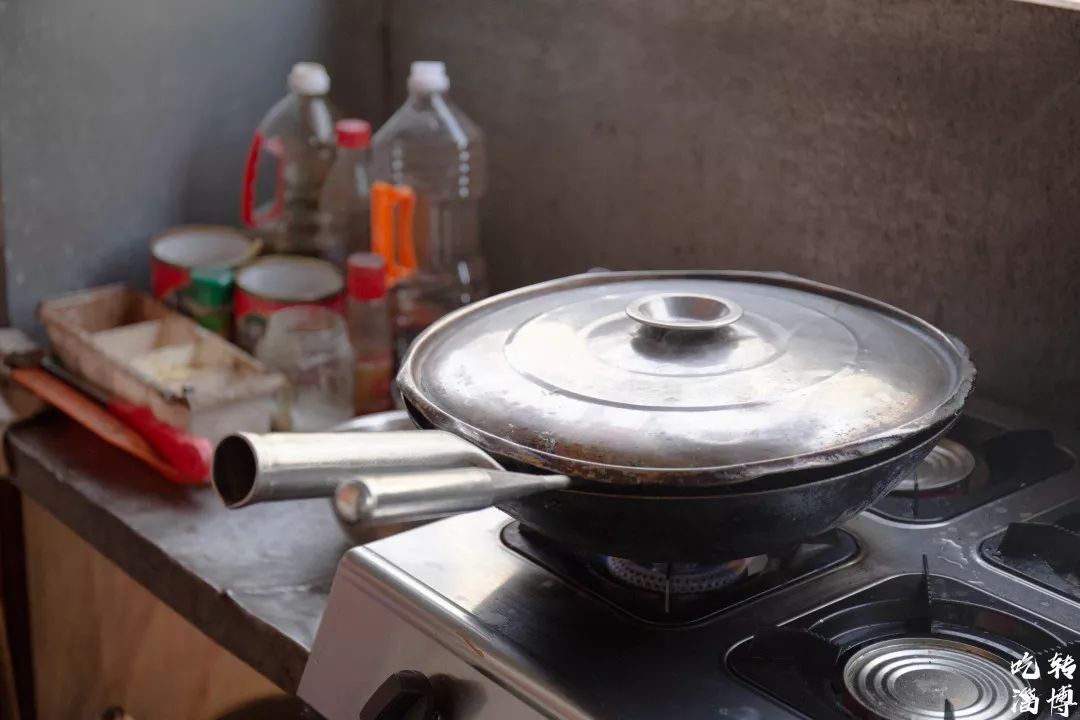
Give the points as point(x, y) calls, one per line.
point(254, 580)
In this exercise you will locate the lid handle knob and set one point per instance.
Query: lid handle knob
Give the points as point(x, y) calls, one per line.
point(684, 312)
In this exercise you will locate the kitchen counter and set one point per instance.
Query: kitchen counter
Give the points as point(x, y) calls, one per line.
point(254, 580)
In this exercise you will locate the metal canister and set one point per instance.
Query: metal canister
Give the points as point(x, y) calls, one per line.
point(183, 257)
point(277, 282)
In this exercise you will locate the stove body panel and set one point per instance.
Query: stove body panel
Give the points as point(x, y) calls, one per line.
point(346, 668)
point(511, 639)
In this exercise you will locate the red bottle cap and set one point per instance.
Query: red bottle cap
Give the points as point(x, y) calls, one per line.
point(366, 276)
point(353, 133)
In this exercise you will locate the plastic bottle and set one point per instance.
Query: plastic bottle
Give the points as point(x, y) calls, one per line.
point(368, 315)
point(299, 133)
point(346, 200)
point(433, 148)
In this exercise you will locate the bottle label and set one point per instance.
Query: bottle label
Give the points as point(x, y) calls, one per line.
point(372, 388)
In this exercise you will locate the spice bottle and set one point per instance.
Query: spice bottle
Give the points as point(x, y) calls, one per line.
point(368, 315)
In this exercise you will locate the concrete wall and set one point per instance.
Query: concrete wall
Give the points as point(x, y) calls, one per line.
point(121, 118)
point(924, 151)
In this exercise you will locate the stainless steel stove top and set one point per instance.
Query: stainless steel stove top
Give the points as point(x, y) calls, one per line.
point(501, 636)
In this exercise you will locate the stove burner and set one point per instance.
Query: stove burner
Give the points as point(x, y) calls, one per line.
point(977, 463)
point(912, 647)
point(681, 578)
point(908, 678)
point(680, 593)
point(948, 464)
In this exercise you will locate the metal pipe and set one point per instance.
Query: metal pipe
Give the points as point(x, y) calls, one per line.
point(251, 468)
point(372, 500)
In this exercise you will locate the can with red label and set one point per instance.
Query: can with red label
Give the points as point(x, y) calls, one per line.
point(181, 251)
point(279, 281)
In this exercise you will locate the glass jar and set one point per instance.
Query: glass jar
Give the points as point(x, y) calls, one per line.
point(309, 345)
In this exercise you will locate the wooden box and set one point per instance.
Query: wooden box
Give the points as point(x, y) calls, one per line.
point(137, 349)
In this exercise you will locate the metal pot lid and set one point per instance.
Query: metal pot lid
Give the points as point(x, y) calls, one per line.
point(684, 378)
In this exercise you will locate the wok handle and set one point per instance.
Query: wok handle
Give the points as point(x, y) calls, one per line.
point(372, 500)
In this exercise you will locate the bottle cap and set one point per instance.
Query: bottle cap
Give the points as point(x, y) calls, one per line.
point(428, 76)
point(353, 133)
point(309, 78)
point(367, 276)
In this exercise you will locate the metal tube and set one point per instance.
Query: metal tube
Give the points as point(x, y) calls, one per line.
point(250, 468)
point(372, 500)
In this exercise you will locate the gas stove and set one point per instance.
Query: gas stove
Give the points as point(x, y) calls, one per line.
point(935, 603)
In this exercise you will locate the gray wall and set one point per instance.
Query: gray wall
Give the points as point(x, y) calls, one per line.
point(924, 151)
point(120, 118)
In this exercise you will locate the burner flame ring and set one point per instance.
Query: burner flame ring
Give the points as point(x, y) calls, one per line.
point(911, 678)
point(677, 578)
point(949, 463)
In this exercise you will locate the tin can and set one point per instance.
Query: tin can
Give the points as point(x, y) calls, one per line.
point(180, 257)
point(277, 282)
point(208, 299)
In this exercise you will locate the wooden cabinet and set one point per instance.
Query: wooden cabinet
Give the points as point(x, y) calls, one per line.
point(100, 639)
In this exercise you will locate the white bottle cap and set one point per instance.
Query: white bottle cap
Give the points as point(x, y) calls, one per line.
point(309, 78)
point(427, 76)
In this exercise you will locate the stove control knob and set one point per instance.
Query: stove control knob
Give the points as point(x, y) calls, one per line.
point(405, 695)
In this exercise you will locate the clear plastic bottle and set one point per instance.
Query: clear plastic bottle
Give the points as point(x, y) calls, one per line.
point(346, 198)
point(432, 147)
point(298, 133)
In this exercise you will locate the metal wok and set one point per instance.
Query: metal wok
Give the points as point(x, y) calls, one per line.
point(768, 515)
point(720, 526)
point(661, 416)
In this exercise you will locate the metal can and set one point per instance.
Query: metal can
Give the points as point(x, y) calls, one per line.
point(277, 282)
point(180, 253)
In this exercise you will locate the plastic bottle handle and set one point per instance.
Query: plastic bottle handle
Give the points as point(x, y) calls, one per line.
point(392, 210)
point(247, 196)
point(406, 208)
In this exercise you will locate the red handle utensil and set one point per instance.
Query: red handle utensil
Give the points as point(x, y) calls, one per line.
point(189, 454)
point(93, 416)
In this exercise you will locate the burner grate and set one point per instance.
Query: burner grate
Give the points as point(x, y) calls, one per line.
point(1055, 545)
point(1046, 552)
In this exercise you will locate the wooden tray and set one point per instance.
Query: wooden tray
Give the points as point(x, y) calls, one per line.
point(135, 348)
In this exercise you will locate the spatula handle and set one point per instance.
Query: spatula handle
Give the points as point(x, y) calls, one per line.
point(94, 417)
